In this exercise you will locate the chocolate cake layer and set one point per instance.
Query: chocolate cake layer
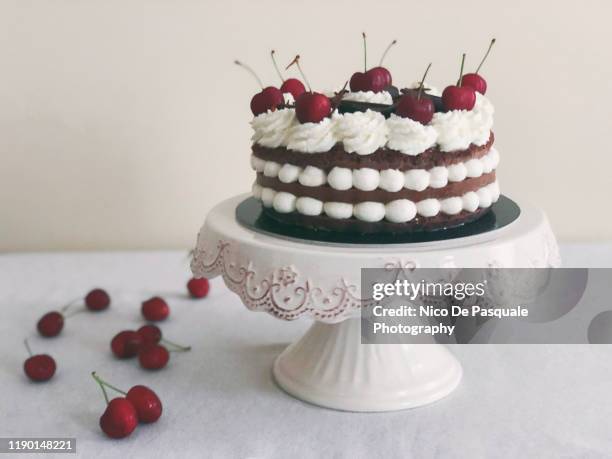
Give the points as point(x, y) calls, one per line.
point(322, 222)
point(381, 159)
point(326, 193)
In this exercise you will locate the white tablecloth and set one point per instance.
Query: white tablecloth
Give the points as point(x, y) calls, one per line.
point(220, 401)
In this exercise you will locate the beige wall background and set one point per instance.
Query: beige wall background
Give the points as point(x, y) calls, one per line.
point(122, 122)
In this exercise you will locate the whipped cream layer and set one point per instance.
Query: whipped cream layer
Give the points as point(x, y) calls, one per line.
point(367, 179)
point(397, 211)
point(365, 132)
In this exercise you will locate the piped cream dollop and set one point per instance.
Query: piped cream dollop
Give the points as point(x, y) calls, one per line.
point(312, 137)
point(457, 129)
point(370, 97)
point(362, 132)
point(271, 129)
point(409, 136)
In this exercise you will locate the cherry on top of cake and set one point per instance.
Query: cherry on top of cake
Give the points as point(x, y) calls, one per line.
point(413, 103)
point(377, 79)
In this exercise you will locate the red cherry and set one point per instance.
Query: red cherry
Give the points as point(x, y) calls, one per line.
point(312, 107)
point(268, 99)
point(198, 288)
point(358, 82)
point(155, 309)
point(153, 357)
point(126, 344)
point(97, 300)
point(146, 402)
point(150, 334)
point(458, 98)
point(50, 324)
point(417, 109)
point(119, 419)
point(475, 81)
point(379, 78)
point(293, 86)
point(40, 367)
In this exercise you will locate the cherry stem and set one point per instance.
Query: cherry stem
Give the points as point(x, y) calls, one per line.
point(74, 313)
point(423, 82)
point(296, 61)
point(486, 55)
point(365, 53)
point(251, 71)
point(67, 305)
point(27, 346)
point(178, 347)
point(280, 75)
point(460, 80)
point(99, 381)
point(386, 51)
point(103, 383)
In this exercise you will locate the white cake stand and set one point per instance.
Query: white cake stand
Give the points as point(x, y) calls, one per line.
point(329, 366)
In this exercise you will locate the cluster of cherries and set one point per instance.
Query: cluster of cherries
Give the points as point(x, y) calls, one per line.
point(312, 107)
point(41, 367)
point(147, 342)
point(122, 414)
point(139, 404)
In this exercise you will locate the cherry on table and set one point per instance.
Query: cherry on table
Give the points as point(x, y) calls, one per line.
point(156, 356)
point(39, 367)
point(150, 334)
point(458, 97)
point(50, 324)
point(147, 403)
point(198, 288)
point(126, 344)
point(153, 357)
point(97, 300)
point(120, 417)
point(155, 309)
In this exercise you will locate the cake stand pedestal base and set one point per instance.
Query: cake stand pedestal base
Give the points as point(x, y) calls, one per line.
point(330, 367)
point(291, 278)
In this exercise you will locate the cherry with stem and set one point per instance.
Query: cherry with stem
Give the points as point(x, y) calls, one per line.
point(422, 83)
point(393, 43)
point(269, 98)
point(475, 80)
point(460, 80)
point(310, 107)
point(485, 56)
point(459, 96)
point(296, 61)
point(290, 85)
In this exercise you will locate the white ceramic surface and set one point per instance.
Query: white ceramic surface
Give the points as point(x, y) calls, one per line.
point(329, 366)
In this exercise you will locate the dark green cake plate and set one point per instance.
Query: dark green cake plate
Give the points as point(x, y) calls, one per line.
point(249, 214)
